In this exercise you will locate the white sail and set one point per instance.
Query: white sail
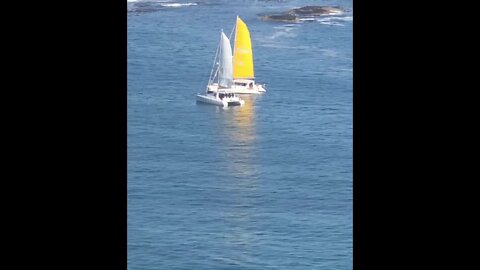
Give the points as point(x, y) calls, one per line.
point(225, 69)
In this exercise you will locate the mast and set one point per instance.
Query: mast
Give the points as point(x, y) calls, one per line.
point(234, 42)
point(219, 53)
point(210, 79)
point(231, 33)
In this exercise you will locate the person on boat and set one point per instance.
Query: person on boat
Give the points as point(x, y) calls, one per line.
point(251, 85)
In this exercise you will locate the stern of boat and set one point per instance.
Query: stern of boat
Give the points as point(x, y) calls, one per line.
point(260, 87)
point(234, 101)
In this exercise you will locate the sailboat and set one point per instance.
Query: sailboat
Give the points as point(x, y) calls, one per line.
point(223, 77)
point(243, 72)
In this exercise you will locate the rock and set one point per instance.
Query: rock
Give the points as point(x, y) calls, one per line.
point(315, 11)
point(284, 17)
point(293, 15)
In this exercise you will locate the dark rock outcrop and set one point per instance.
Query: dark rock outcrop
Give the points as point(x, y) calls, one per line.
point(293, 15)
point(315, 11)
point(285, 17)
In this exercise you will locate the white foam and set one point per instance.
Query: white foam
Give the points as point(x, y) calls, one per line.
point(178, 4)
point(335, 12)
point(151, 1)
point(280, 46)
point(329, 21)
point(306, 19)
point(332, 23)
point(282, 34)
point(329, 52)
point(285, 28)
point(346, 18)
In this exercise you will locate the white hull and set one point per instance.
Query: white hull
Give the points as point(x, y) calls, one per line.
point(216, 100)
point(238, 88)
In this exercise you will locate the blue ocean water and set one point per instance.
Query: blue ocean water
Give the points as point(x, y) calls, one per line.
point(264, 186)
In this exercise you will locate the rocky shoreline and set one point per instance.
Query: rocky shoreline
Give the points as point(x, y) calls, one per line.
point(295, 14)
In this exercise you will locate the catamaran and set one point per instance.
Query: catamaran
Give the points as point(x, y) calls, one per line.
point(243, 72)
point(223, 96)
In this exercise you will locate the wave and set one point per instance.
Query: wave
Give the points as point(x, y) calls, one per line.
point(160, 1)
point(331, 53)
point(283, 31)
point(344, 18)
point(306, 19)
point(339, 21)
point(142, 6)
point(286, 27)
point(178, 4)
point(165, 3)
point(281, 46)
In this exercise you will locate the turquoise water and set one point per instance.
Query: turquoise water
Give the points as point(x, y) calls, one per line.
point(264, 186)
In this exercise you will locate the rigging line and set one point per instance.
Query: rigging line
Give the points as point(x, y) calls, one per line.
point(200, 81)
point(231, 33)
point(220, 45)
point(210, 79)
point(234, 27)
point(214, 62)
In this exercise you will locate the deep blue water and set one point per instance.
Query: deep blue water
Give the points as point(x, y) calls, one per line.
point(264, 186)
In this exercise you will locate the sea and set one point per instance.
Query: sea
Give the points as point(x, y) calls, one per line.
point(263, 186)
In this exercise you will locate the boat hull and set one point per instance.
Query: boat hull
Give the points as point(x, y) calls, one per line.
point(239, 89)
point(226, 102)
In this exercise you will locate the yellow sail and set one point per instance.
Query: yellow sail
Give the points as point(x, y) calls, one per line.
point(242, 52)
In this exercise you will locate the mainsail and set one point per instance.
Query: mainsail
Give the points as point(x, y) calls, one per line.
point(225, 63)
point(242, 52)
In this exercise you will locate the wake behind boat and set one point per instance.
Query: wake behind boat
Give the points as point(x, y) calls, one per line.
point(243, 72)
point(223, 96)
